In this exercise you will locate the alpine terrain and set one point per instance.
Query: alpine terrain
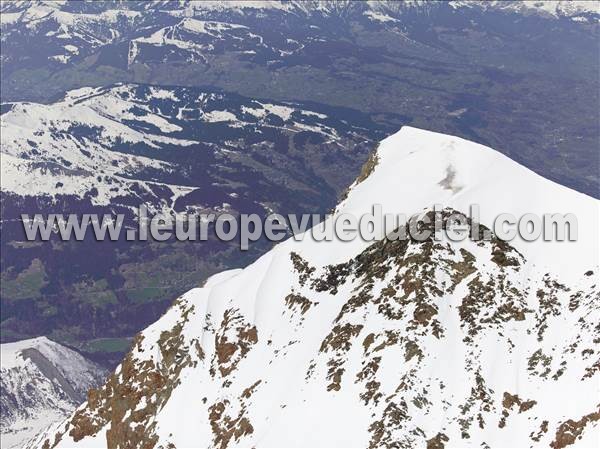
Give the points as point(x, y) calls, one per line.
point(41, 382)
point(251, 107)
point(392, 343)
point(176, 150)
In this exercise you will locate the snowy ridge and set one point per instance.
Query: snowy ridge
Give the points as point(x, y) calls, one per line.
point(187, 35)
point(112, 144)
point(68, 31)
point(573, 9)
point(60, 154)
point(32, 13)
point(42, 382)
point(388, 344)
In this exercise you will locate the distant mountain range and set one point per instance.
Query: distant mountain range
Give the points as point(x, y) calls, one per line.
point(161, 31)
point(396, 343)
point(42, 382)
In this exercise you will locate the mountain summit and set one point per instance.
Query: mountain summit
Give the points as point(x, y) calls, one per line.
point(386, 344)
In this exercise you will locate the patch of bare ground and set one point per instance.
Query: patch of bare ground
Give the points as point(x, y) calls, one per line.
point(569, 431)
point(510, 402)
point(233, 341)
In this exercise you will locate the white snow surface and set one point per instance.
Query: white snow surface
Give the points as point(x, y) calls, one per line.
point(548, 8)
point(456, 383)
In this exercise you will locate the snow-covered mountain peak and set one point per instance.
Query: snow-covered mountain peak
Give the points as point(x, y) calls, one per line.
point(42, 382)
point(18, 354)
point(396, 343)
point(415, 169)
point(12, 353)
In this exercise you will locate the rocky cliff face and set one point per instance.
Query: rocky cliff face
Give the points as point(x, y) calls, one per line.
point(393, 343)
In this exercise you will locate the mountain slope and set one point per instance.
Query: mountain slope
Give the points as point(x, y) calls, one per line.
point(126, 142)
point(42, 382)
point(176, 150)
point(388, 344)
